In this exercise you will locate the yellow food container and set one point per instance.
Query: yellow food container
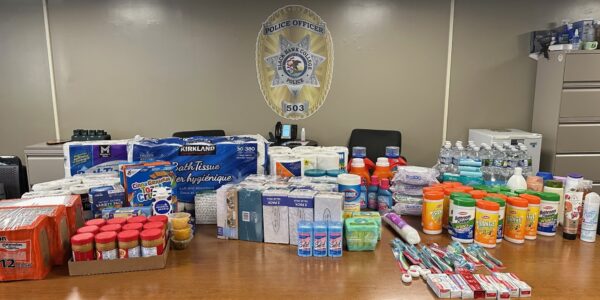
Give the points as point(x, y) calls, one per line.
point(182, 234)
point(180, 220)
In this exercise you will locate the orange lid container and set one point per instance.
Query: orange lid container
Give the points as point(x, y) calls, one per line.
point(433, 195)
point(532, 199)
point(488, 205)
point(496, 195)
point(478, 194)
point(517, 202)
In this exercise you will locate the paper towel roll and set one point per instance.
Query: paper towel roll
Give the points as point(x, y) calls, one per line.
point(289, 167)
point(273, 158)
point(306, 149)
point(309, 161)
point(328, 161)
point(342, 152)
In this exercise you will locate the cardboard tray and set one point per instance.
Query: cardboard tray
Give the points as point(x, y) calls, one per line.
point(94, 267)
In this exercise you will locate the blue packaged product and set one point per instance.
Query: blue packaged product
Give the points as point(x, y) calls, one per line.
point(125, 212)
point(204, 163)
point(94, 156)
point(320, 238)
point(112, 196)
point(250, 214)
point(139, 182)
point(334, 238)
point(305, 238)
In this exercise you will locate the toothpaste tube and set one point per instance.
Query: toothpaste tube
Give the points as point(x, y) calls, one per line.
point(490, 290)
point(465, 291)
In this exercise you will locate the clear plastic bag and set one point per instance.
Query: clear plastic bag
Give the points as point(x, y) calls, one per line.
point(415, 175)
point(407, 205)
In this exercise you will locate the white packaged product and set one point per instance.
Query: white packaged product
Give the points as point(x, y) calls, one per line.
point(329, 206)
point(206, 208)
point(94, 156)
point(407, 205)
point(416, 175)
point(275, 216)
point(301, 208)
point(407, 189)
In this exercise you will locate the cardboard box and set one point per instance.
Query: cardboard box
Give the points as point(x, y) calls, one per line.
point(513, 290)
point(227, 209)
point(301, 208)
point(439, 285)
point(524, 289)
point(72, 204)
point(24, 245)
point(491, 292)
point(478, 291)
point(112, 196)
point(275, 216)
point(329, 206)
point(94, 267)
point(250, 214)
point(465, 291)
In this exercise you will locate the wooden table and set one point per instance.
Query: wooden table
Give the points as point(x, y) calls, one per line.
point(220, 269)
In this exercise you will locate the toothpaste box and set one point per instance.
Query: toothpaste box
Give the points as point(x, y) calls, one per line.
point(524, 289)
point(112, 196)
point(329, 206)
point(443, 286)
point(139, 182)
point(250, 213)
point(275, 216)
point(465, 291)
point(478, 291)
point(204, 163)
point(301, 208)
point(512, 289)
point(503, 291)
point(491, 292)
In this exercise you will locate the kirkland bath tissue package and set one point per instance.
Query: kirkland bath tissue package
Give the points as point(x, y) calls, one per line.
point(94, 156)
point(204, 163)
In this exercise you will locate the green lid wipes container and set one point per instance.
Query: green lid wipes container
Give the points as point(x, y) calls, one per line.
point(361, 234)
point(462, 219)
point(501, 213)
point(548, 219)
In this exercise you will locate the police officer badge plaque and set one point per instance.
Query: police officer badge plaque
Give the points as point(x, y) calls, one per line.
point(294, 61)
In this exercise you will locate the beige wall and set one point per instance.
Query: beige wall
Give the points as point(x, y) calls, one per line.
point(25, 102)
point(155, 67)
point(492, 80)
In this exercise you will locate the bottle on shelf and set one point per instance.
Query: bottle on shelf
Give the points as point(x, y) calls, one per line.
point(358, 167)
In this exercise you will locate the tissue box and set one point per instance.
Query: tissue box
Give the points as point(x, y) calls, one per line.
point(361, 234)
point(106, 197)
point(329, 206)
point(206, 208)
point(301, 208)
point(250, 214)
point(227, 212)
point(275, 216)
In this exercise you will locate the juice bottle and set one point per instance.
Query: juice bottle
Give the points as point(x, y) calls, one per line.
point(382, 168)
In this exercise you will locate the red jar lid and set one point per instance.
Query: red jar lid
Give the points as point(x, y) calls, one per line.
point(97, 222)
point(111, 227)
point(106, 237)
point(133, 226)
point(159, 218)
point(128, 235)
point(120, 221)
point(154, 225)
point(82, 238)
point(137, 219)
point(151, 234)
point(89, 229)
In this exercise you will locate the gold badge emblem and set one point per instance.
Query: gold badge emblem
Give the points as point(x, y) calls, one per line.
point(294, 61)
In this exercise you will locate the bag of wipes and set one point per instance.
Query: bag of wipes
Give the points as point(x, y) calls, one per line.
point(204, 163)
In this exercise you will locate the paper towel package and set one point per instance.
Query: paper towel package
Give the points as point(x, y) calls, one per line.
point(204, 163)
point(227, 212)
point(329, 206)
point(301, 207)
point(250, 214)
point(275, 216)
point(94, 156)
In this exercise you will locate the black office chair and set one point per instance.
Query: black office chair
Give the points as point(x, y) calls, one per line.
point(375, 141)
point(187, 134)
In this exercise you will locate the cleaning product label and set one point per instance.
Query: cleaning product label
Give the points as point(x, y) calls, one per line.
point(515, 221)
point(351, 197)
point(500, 233)
point(533, 213)
point(304, 244)
point(486, 227)
point(432, 215)
point(463, 222)
point(204, 163)
point(548, 217)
